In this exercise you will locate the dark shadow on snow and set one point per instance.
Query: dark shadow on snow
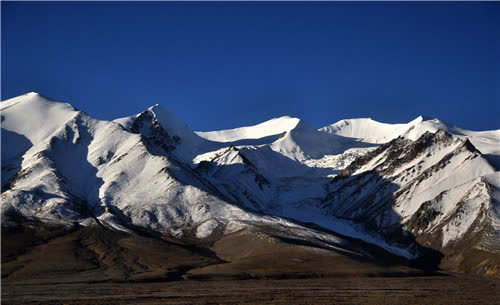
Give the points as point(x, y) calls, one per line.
point(13, 147)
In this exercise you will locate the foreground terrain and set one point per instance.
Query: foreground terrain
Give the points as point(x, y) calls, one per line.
point(54, 264)
point(450, 289)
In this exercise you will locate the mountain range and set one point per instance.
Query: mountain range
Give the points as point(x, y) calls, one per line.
point(145, 197)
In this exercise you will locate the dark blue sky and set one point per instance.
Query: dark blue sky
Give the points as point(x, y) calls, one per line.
point(223, 65)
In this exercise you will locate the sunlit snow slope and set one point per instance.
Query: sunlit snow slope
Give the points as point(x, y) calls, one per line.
point(267, 129)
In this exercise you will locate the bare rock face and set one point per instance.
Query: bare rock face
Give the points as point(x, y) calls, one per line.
point(148, 126)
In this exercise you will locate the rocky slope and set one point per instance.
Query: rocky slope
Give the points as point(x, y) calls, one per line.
point(437, 191)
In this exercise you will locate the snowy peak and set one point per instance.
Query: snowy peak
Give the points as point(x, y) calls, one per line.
point(17, 99)
point(164, 128)
point(303, 127)
point(422, 118)
point(27, 120)
point(305, 142)
point(300, 142)
point(169, 121)
point(366, 130)
point(370, 131)
point(267, 129)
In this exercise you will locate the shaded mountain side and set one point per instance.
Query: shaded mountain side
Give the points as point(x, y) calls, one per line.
point(57, 254)
point(260, 255)
point(238, 178)
point(477, 250)
point(404, 191)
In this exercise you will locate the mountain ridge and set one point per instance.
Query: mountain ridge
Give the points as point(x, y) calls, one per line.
point(151, 172)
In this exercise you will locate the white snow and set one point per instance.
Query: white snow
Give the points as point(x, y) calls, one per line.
point(370, 131)
point(265, 129)
point(206, 228)
point(27, 120)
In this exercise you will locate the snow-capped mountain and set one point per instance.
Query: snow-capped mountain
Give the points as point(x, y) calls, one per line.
point(88, 167)
point(123, 177)
point(370, 131)
point(21, 117)
point(401, 187)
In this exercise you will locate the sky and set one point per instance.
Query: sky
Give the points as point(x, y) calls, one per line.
point(223, 65)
